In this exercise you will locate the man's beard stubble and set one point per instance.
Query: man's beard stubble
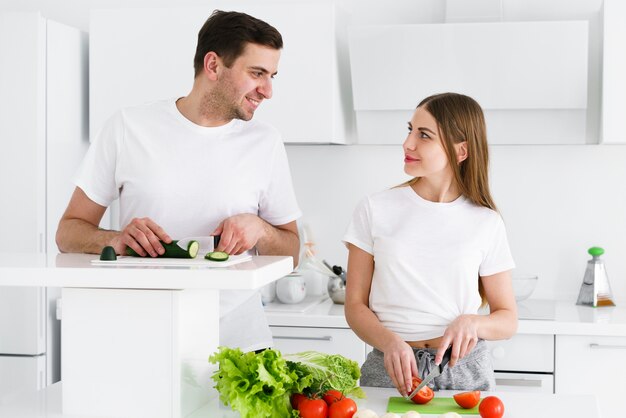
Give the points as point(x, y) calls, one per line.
point(219, 102)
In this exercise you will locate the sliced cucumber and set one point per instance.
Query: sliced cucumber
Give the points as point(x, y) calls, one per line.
point(217, 256)
point(193, 248)
point(172, 250)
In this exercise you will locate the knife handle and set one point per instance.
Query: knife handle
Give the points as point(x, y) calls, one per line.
point(216, 242)
point(446, 358)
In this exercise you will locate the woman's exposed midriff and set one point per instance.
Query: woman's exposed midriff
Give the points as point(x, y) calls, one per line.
point(433, 343)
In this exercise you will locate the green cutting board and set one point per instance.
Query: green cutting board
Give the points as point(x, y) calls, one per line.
point(436, 406)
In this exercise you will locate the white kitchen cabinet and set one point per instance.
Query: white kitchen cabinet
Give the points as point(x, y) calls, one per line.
point(523, 353)
point(141, 55)
point(495, 63)
point(325, 340)
point(592, 364)
point(614, 73)
point(43, 125)
point(25, 373)
point(43, 131)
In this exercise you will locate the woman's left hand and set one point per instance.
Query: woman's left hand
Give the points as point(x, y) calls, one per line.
point(462, 334)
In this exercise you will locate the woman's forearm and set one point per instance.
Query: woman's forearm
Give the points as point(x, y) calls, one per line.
point(367, 326)
point(498, 325)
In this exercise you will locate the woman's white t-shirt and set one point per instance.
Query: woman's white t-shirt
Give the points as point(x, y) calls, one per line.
point(428, 257)
point(188, 178)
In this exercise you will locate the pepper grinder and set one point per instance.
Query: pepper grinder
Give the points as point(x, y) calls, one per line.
point(595, 290)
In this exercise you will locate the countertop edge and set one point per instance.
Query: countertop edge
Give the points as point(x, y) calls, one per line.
point(570, 320)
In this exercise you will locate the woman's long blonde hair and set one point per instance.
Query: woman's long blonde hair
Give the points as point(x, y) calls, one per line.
point(460, 118)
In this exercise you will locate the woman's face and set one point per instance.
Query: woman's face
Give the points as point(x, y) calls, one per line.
point(424, 155)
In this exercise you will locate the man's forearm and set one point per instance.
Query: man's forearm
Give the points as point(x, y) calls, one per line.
point(79, 236)
point(279, 242)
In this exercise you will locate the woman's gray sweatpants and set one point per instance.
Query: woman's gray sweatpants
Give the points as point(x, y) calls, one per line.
point(472, 372)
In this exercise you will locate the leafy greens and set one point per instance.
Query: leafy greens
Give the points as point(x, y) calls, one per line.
point(259, 385)
point(329, 371)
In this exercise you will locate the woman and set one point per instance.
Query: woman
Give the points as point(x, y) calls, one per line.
point(425, 255)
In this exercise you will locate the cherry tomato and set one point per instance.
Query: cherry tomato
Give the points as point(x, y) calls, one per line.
point(332, 396)
point(344, 408)
point(491, 407)
point(425, 394)
point(467, 400)
point(295, 399)
point(313, 408)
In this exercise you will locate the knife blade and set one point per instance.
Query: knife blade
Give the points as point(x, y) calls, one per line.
point(206, 243)
point(433, 373)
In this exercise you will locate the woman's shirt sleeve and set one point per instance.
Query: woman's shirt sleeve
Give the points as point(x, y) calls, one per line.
point(498, 256)
point(359, 232)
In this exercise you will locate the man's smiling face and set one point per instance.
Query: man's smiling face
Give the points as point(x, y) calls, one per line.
point(242, 87)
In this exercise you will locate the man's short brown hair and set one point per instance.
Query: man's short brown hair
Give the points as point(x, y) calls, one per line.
point(227, 33)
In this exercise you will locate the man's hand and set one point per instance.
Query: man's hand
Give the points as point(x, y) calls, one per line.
point(239, 233)
point(143, 236)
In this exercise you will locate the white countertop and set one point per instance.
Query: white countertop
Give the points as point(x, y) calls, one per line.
point(47, 404)
point(76, 270)
point(569, 319)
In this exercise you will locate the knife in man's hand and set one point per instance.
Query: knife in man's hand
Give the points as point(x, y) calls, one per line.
point(207, 243)
point(433, 373)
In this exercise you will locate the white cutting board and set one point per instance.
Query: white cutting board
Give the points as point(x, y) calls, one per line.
point(199, 261)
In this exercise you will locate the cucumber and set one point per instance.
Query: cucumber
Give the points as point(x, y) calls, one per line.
point(108, 254)
point(172, 250)
point(216, 256)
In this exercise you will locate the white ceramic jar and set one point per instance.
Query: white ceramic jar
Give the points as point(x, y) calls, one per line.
point(291, 289)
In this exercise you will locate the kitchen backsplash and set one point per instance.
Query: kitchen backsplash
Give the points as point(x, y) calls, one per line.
point(557, 201)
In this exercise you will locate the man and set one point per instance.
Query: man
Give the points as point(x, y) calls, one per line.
point(196, 166)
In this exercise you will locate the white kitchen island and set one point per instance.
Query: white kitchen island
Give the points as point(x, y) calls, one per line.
point(136, 340)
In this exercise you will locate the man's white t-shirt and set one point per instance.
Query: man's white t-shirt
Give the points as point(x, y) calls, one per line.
point(188, 178)
point(427, 258)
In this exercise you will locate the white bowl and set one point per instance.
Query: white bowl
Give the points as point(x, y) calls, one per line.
point(523, 286)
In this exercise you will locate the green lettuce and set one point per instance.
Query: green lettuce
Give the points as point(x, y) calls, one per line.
point(257, 385)
point(328, 371)
point(260, 385)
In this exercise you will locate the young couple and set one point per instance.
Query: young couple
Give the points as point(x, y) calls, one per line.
point(423, 255)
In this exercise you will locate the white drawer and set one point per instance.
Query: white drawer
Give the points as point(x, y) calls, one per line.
point(325, 340)
point(21, 375)
point(592, 365)
point(524, 382)
point(523, 353)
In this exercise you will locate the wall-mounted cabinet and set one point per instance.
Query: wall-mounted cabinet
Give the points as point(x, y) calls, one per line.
point(140, 55)
point(614, 73)
point(529, 77)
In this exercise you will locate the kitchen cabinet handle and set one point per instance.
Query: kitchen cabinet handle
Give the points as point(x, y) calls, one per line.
point(286, 337)
point(535, 383)
point(595, 346)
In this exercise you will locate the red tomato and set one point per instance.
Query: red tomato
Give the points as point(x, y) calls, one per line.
point(425, 394)
point(332, 396)
point(491, 407)
point(296, 398)
point(467, 400)
point(343, 408)
point(313, 408)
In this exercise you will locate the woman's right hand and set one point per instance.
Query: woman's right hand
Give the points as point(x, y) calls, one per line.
point(400, 365)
